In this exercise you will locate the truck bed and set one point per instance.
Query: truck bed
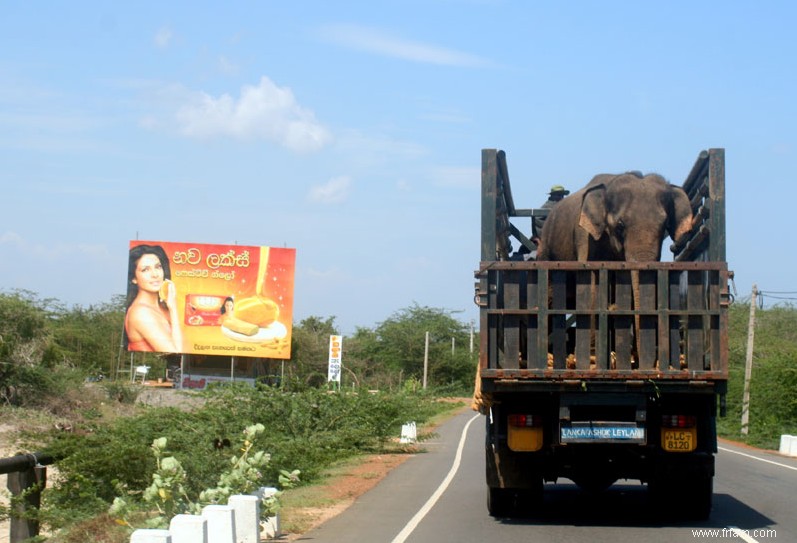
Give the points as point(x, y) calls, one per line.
point(565, 321)
point(571, 320)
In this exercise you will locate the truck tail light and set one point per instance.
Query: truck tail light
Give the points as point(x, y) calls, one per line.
point(678, 421)
point(525, 421)
point(524, 433)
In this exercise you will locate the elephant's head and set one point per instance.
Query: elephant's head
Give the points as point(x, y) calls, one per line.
point(628, 216)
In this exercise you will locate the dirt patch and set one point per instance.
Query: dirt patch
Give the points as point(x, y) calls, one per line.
point(307, 508)
point(7, 448)
point(169, 397)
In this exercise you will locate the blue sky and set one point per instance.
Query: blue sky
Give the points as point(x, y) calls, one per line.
point(352, 131)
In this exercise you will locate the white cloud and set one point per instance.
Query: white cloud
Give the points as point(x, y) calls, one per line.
point(334, 191)
point(381, 42)
point(379, 146)
point(163, 37)
point(265, 111)
point(51, 252)
point(226, 66)
point(458, 177)
point(11, 238)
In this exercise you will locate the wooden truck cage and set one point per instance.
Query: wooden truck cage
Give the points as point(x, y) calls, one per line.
point(576, 320)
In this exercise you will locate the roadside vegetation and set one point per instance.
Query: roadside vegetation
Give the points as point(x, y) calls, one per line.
point(773, 385)
point(57, 364)
point(123, 465)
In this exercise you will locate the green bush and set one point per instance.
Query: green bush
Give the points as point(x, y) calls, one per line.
point(305, 430)
point(773, 401)
point(169, 495)
point(121, 391)
point(312, 428)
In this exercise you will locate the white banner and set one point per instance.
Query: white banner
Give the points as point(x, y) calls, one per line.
point(335, 354)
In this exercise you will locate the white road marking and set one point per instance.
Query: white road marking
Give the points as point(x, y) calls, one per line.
point(758, 458)
point(741, 534)
point(423, 511)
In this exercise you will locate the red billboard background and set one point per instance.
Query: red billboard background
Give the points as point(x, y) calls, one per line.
point(229, 300)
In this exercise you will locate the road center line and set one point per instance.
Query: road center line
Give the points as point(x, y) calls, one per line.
point(423, 511)
point(758, 458)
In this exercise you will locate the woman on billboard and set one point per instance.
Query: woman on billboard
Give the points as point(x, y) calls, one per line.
point(151, 321)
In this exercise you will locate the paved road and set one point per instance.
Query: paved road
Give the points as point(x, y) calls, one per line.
point(439, 497)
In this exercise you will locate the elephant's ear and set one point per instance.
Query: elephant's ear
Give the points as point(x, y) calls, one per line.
point(679, 214)
point(593, 211)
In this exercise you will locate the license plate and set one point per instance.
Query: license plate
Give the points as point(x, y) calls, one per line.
point(602, 432)
point(678, 441)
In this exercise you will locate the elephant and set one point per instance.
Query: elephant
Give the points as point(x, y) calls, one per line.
point(621, 217)
point(616, 217)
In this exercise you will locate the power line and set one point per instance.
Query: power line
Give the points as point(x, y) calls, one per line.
point(776, 295)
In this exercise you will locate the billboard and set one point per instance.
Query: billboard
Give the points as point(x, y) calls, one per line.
point(195, 298)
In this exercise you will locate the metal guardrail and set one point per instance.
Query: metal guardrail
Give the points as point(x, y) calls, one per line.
point(27, 477)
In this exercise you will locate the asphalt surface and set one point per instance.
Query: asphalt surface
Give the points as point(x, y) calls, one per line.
point(439, 496)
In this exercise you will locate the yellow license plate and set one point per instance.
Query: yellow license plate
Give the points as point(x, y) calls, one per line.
point(678, 440)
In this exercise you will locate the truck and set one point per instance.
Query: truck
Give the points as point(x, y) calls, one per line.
point(581, 379)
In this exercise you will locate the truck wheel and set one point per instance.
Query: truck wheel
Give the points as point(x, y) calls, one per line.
point(699, 496)
point(683, 498)
point(500, 502)
point(515, 502)
point(532, 499)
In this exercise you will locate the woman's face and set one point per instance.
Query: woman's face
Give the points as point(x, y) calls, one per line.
point(149, 273)
point(228, 306)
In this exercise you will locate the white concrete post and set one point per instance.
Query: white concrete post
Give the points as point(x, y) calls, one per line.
point(189, 529)
point(785, 444)
point(221, 523)
point(247, 518)
point(271, 526)
point(409, 433)
point(151, 536)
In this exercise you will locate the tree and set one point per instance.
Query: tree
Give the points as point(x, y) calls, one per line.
point(310, 349)
point(22, 320)
point(773, 402)
point(90, 338)
point(24, 343)
point(400, 345)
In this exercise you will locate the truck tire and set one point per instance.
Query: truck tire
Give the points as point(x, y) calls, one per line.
point(699, 498)
point(515, 502)
point(683, 498)
point(500, 502)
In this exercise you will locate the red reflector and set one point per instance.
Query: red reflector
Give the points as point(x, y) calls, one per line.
point(678, 421)
point(525, 421)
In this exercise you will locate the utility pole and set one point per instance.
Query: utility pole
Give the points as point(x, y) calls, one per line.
point(748, 365)
point(425, 360)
